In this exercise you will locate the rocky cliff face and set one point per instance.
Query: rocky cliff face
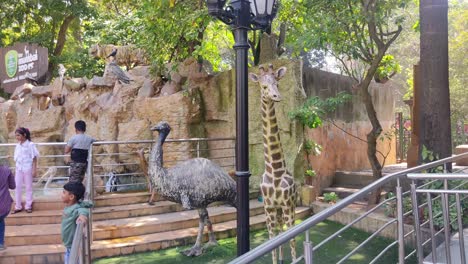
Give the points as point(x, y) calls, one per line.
point(194, 103)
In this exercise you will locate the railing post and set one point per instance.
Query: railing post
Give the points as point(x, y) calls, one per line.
point(431, 226)
point(446, 216)
point(90, 191)
point(401, 227)
point(414, 202)
point(198, 148)
point(461, 237)
point(308, 249)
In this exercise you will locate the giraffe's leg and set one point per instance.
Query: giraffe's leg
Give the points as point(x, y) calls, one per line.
point(212, 238)
point(196, 250)
point(280, 230)
point(290, 217)
point(271, 220)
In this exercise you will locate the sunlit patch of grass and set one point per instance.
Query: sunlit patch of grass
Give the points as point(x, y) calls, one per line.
point(331, 252)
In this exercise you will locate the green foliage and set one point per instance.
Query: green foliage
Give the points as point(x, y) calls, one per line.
point(312, 147)
point(312, 112)
point(310, 173)
point(428, 156)
point(331, 197)
point(346, 30)
point(172, 31)
point(79, 64)
point(390, 208)
point(437, 203)
point(458, 63)
point(387, 67)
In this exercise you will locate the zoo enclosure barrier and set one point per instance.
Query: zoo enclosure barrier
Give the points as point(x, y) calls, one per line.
point(424, 206)
point(119, 156)
point(51, 167)
point(120, 160)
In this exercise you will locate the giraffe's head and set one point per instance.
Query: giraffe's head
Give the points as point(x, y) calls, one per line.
point(268, 80)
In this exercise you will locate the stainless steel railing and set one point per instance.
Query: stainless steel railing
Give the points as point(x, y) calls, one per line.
point(81, 251)
point(121, 158)
point(52, 170)
point(107, 156)
point(405, 238)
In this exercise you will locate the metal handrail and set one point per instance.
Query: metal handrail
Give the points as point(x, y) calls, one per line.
point(326, 213)
point(80, 251)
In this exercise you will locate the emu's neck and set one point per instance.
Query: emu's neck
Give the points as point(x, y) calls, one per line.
point(156, 156)
point(273, 151)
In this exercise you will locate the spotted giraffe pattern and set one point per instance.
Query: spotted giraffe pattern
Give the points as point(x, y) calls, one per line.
point(278, 187)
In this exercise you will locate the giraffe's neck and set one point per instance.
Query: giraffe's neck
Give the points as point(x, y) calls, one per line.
point(274, 160)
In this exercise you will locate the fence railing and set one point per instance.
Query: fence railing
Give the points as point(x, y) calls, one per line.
point(119, 159)
point(409, 205)
point(52, 169)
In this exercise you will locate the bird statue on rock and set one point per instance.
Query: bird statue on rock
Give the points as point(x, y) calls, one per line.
point(194, 183)
point(61, 71)
point(114, 71)
point(113, 53)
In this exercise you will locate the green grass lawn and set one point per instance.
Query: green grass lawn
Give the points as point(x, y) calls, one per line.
point(331, 252)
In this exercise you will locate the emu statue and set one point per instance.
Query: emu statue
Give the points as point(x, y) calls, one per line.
point(194, 183)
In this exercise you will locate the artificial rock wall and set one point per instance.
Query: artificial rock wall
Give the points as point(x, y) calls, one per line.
point(196, 104)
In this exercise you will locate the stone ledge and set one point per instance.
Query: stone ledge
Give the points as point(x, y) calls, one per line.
point(460, 150)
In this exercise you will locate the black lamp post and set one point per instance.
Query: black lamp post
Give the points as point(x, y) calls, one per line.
point(243, 15)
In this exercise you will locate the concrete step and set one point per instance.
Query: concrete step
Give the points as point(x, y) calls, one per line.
point(344, 192)
point(352, 179)
point(114, 199)
point(53, 253)
point(35, 234)
point(100, 213)
point(54, 202)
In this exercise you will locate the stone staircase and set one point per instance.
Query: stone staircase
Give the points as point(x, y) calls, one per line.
point(346, 183)
point(122, 224)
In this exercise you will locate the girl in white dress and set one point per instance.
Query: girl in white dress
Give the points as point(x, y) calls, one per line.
point(26, 168)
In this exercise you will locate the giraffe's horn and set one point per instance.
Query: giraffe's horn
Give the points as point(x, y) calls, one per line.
point(262, 69)
point(270, 68)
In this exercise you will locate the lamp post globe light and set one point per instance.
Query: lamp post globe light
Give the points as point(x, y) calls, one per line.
point(243, 15)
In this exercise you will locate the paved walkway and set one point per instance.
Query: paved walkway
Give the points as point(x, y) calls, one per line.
point(455, 256)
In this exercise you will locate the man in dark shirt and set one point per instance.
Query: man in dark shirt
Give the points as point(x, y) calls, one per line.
point(79, 146)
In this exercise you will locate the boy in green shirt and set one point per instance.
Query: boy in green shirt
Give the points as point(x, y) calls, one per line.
point(73, 213)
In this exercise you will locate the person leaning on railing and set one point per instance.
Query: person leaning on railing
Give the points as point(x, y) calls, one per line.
point(75, 211)
point(79, 146)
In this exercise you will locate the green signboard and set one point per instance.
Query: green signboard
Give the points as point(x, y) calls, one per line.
point(11, 63)
point(21, 62)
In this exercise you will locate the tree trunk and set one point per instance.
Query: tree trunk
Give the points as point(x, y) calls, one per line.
point(435, 100)
point(374, 134)
point(372, 137)
point(61, 39)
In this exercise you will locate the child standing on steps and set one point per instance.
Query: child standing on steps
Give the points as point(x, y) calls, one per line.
point(7, 181)
point(75, 211)
point(26, 168)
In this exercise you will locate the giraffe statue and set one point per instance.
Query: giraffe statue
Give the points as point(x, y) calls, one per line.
point(278, 186)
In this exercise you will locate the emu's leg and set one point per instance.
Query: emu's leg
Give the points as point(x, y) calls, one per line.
point(212, 239)
point(196, 250)
point(289, 218)
point(144, 168)
point(271, 220)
